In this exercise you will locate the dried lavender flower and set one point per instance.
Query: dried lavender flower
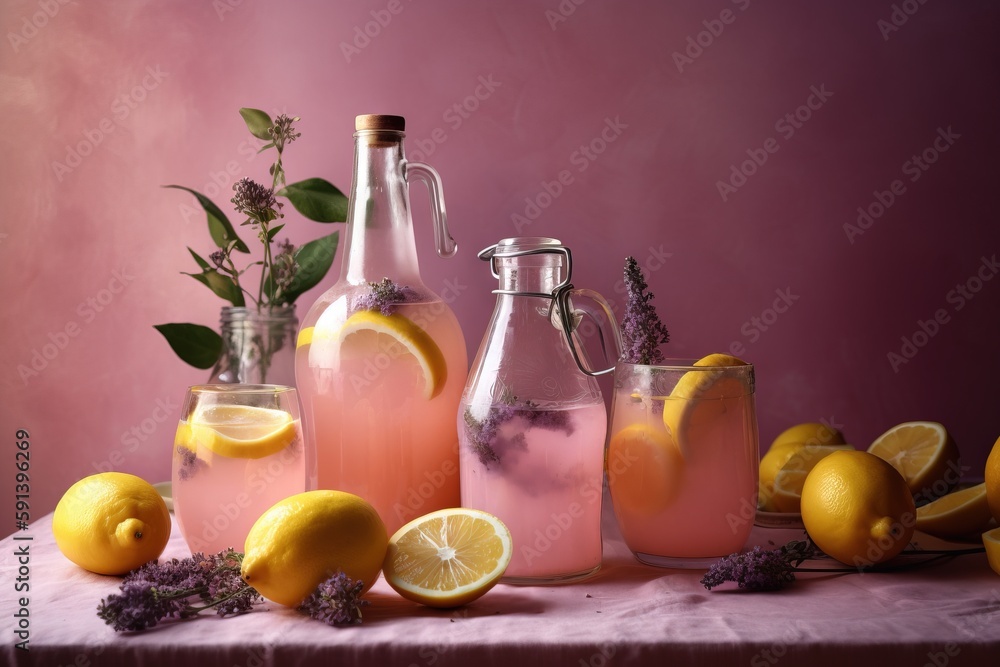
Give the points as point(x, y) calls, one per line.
point(756, 570)
point(336, 601)
point(179, 589)
point(282, 132)
point(484, 435)
point(642, 330)
point(190, 464)
point(255, 201)
point(284, 267)
point(385, 296)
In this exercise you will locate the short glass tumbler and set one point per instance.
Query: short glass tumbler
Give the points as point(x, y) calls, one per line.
point(238, 450)
point(682, 460)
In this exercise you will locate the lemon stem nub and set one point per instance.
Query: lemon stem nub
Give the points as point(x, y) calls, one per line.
point(129, 531)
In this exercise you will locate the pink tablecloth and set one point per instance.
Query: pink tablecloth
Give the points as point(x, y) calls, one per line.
point(627, 614)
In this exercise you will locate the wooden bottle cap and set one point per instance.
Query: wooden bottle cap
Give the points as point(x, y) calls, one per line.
point(379, 122)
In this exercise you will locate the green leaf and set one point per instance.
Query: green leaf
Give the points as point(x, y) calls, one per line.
point(314, 260)
point(202, 263)
point(193, 343)
point(317, 199)
point(218, 224)
point(271, 233)
point(258, 122)
point(223, 286)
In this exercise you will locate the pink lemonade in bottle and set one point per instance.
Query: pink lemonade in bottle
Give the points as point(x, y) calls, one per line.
point(380, 360)
point(682, 466)
point(532, 424)
point(531, 472)
point(380, 435)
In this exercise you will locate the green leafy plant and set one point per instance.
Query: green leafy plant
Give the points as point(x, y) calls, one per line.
point(286, 271)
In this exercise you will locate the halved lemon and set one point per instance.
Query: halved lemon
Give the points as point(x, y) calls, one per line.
point(645, 469)
point(396, 335)
point(991, 541)
point(449, 557)
point(957, 514)
point(924, 454)
point(694, 404)
point(788, 482)
point(243, 431)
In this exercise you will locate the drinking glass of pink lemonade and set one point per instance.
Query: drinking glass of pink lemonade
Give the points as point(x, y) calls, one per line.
point(238, 450)
point(682, 459)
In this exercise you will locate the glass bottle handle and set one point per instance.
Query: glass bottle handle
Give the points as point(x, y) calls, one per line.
point(443, 241)
point(572, 305)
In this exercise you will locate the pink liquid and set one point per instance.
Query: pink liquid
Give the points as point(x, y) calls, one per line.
point(546, 487)
point(710, 510)
point(217, 499)
point(376, 434)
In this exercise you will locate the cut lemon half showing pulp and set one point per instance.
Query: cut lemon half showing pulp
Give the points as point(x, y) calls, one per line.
point(791, 477)
point(243, 431)
point(698, 399)
point(924, 454)
point(448, 558)
point(397, 336)
point(957, 514)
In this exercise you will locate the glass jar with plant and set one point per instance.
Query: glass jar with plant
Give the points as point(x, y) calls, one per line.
point(256, 343)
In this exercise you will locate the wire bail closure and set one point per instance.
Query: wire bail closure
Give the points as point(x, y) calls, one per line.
point(558, 298)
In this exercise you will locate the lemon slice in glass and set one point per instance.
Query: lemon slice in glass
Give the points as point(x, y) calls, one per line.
point(695, 403)
point(396, 336)
point(243, 431)
point(645, 469)
point(448, 558)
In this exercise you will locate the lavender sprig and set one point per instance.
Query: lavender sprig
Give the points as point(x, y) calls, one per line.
point(255, 201)
point(336, 601)
point(484, 435)
point(756, 570)
point(385, 296)
point(179, 589)
point(642, 330)
point(773, 569)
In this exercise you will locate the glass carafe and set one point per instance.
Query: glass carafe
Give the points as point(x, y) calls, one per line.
point(532, 424)
point(381, 360)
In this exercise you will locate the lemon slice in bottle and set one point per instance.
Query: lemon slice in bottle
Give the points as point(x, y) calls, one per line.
point(397, 336)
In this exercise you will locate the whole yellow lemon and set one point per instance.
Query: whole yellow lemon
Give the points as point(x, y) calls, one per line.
point(304, 539)
point(857, 508)
point(809, 433)
point(111, 523)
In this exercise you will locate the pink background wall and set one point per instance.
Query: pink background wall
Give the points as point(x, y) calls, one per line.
point(152, 88)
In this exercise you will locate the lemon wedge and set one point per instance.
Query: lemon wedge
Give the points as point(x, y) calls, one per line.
point(448, 558)
point(786, 493)
point(694, 403)
point(957, 514)
point(396, 335)
point(243, 431)
point(991, 541)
